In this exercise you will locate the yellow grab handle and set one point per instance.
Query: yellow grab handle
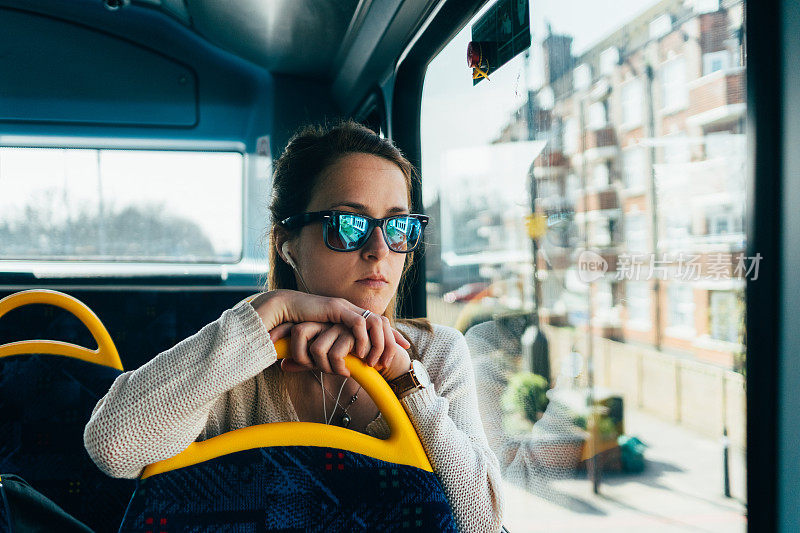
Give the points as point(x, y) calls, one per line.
point(402, 447)
point(105, 354)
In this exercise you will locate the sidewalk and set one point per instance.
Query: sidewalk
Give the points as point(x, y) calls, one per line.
point(681, 489)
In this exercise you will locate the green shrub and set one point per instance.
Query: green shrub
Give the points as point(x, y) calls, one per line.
point(526, 394)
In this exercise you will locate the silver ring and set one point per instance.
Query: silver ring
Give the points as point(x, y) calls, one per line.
point(366, 313)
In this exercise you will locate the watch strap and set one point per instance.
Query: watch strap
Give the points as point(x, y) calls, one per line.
point(405, 383)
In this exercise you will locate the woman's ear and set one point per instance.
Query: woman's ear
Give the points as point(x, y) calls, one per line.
point(286, 254)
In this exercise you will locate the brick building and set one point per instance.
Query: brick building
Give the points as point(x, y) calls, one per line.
point(646, 155)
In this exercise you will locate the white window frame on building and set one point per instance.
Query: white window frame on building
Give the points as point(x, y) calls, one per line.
point(634, 168)
point(638, 305)
point(674, 91)
point(609, 60)
point(660, 26)
point(601, 175)
point(681, 310)
point(716, 61)
point(631, 95)
point(729, 215)
point(676, 149)
point(722, 307)
point(571, 134)
point(582, 77)
point(636, 232)
point(598, 115)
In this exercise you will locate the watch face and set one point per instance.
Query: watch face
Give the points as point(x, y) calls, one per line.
point(420, 371)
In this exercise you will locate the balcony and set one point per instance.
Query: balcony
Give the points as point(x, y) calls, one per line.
point(717, 98)
point(600, 200)
point(601, 144)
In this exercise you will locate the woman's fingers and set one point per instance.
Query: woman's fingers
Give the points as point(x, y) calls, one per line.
point(390, 346)
point(302, 307)
point(376, 338)
point(400, 339)
point(339, 350)
point(298, 345)
point(284, 330)
point(320, 346)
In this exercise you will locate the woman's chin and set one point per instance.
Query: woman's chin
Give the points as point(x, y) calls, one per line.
point(370, 299)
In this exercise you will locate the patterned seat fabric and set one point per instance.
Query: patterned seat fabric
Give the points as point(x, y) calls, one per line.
point(291, 488)
point(45, 403)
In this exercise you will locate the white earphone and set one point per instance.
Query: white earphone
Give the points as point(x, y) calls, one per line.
point(287, 257)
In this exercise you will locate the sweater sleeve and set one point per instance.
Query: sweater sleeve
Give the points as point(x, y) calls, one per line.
point(445, 415)
point(154, 412)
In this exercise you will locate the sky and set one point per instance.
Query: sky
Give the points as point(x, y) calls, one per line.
point(456, 115)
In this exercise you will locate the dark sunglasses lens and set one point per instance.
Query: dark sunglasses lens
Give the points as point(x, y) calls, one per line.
point(347, 232)
point(403, 233)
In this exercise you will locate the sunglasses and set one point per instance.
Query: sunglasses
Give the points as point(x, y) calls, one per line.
point(344, 231)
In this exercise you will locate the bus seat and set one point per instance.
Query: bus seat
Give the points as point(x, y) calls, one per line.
point(298, 476)
point(48, 390)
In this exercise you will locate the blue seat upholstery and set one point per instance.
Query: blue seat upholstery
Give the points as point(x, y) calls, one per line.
point(45, 403)
point(291, 488)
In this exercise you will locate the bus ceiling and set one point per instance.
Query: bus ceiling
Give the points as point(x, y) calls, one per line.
point(195, 69)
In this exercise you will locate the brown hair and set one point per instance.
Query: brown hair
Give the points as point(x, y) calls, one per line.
point(310, 151)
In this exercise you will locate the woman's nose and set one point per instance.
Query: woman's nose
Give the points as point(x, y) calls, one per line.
point(375, 246)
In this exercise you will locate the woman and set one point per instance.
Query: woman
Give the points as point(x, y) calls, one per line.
point(343, 241)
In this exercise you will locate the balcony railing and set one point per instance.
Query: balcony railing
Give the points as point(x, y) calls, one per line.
point(717, 97)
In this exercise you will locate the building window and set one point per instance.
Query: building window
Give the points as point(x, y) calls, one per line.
point(725, 314)
point(715, 61)
point(634, 168)
point(600, 176)
point(598, 115)
point(582, 76)
point(660, 26)
point(636, 232)
point(724, 144)
point(632, 103)
point(609, 59)
point(571, 135)
point(705, 6)
point(674, 95)
point(676, 149)
point(599, 233)
point(681, 306)
point(637, 303)
point(677, 225)
point(573, 191)
point(724, 220)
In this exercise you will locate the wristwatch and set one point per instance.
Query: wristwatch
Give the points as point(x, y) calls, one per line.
point(412, 381)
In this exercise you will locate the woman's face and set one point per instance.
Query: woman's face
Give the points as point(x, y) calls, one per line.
point(368, 277)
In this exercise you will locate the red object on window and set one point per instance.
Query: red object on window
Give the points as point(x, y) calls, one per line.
point(474, 54)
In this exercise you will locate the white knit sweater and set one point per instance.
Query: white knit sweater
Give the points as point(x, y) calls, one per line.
point(224, 378)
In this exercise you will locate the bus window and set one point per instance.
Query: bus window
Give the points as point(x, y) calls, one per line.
point(587, 236)
point(86, 204)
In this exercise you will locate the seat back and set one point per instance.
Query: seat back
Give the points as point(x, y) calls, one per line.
point(298, 476)
point(48, 390)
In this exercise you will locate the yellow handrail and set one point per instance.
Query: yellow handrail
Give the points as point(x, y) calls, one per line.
point(402, 447)
point(105, 354)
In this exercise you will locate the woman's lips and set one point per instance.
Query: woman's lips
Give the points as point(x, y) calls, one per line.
point(373, 283)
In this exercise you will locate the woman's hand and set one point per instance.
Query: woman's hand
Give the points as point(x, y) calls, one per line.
point(280, 306)
point(323, 347)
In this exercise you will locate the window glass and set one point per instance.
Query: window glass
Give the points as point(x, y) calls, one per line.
point(589, 243)
point(714, 61)
point(631, 103)
point(634, 168)
point(674, 95)
point(120, 205)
